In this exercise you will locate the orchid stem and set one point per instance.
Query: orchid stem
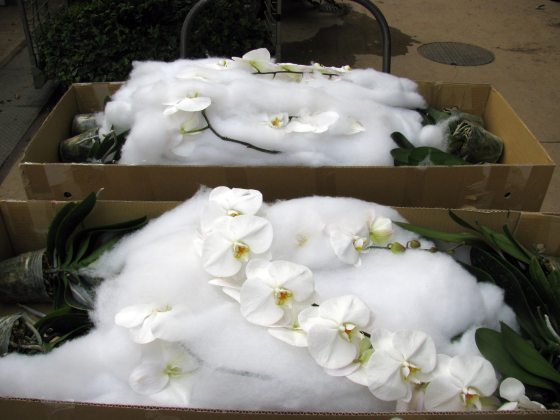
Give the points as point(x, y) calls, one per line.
point(249, 145)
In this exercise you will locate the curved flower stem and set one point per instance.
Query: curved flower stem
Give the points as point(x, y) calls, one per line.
point(301, 73)
point(249, 145)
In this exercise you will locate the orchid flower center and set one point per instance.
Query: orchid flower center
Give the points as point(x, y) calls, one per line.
point(233, 213)
point(276, 122)
point(409, 371)
point(281, 295)
point(360, 244)
point(471, 397)
point(347, 330)
point(241, 251)
point(164, 308)
point(172, 370)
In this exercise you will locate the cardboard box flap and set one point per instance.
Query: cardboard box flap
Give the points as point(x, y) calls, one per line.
point(6, 249)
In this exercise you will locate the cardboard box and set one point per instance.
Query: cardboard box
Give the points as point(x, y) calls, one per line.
point(23, 227)
point(519, 183)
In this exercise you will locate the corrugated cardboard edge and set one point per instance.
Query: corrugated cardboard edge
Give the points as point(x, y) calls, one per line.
point(15, 408)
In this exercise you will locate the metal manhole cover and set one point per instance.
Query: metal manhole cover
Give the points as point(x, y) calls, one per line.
point(456, 53)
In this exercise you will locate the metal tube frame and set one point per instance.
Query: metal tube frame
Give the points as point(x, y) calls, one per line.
point(372, 8)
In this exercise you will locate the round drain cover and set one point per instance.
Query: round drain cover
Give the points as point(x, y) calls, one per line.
point(456, 53)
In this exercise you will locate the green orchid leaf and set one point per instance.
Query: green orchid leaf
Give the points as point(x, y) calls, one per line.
point(77, 295)
point(60, 290)
point(401, 140)
point(53, 229)
point(499, 270)
point(424, 156)
point(503, 243)
point(61, 321)
point(491, 345)
point(518, 244)
point(57, 341)
point(480, 275)
point(400, 156)
point(543, 287)
point(460, 221)
point(527, 356)
point(436, 115)
point(102, 238)
point(69, 224)
point(458, 238)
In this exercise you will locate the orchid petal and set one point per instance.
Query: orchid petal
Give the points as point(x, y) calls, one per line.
point(169, 325)
point(143, 333)
point(232, 293)
point(441, 395)
point(343, 246)
point(294, 277)
point(347, 308)
point(359, 377)
point(148, 378)
point(296, 338)
point(193, 104)
point(254, 231)
point(217, 256)
point(509, 406)
point(343, 371)
point(512, 389)
point(329, 349)
point(381, 230)
point(257, 303)
point(384, 378)
point(134, 315)
point(259, 54)
point(474, 371)
point(416, 347)
point(237, 199)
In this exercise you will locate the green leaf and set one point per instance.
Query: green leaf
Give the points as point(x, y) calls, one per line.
point(491, 345)
point(460, 221)
point(53, 229)
point(401, 140)
point(526, 355)
point(514, 293)
point(543, 287)
point(462, 237)
point(502, 242)
point(72, 219)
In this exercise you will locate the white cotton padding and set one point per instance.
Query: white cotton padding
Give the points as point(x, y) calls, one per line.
point(240, 365)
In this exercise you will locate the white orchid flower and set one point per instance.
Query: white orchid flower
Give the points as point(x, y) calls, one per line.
point(193, 124)
point(236, 201)
point(233, 241)
point(292, 335)
point(380, 230)
point(400, 359)
point(150, 321)
point(313, 123)
point(188, 104)
point(513, 390)
point(277, 121)
point(333, 330)
point(231, 286)
point(348, 243)
point(274, 290)
point(258, 59)
point(460, 383)
point(165, 373)
point(356, 371)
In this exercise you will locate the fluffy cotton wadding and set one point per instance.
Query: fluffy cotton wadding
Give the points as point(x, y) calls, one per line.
point(239, 365)
point(343, 117)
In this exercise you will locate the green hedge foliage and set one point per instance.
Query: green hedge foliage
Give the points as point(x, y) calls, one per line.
point(94, 41)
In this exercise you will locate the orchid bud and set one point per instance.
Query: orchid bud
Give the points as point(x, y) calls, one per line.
point(397, 248)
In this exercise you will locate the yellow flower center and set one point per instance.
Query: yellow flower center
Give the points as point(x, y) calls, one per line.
point(171, 370)
point(276, 122)
point(471, 397)
point(409, 371)
point(301, 239)
point(347, 330)
point(233, 213)
point(241, 251)
point(282, 295)
point(360, 244)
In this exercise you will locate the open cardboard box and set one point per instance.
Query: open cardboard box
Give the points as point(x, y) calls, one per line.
point(520, 182)
point(24, 225)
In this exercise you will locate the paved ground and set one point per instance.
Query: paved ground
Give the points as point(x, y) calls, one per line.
point(523, 35)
